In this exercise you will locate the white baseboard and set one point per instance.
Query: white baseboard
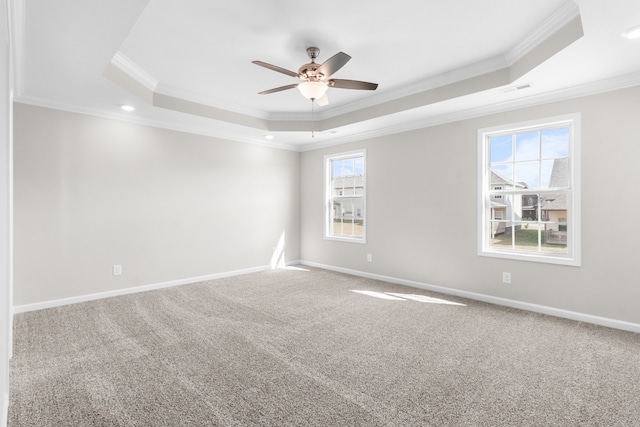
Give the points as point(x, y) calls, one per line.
point(91, 297)
point(581, 317)
point(552, 311)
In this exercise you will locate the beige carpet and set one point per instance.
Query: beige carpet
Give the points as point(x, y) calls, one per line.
point(299, 348)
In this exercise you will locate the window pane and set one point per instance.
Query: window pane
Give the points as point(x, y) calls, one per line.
point(530, 207)
point(500, 148)
point(345, 215)
point(528, 146)
point(559, 174)
point(358, 166)
point(525, 193)
point(555, 142)
point(527, 174)
point(546, 168)
point(527, 236)
point(556, 229)
point(501, 174)
point(501, 237)
point(348, 217)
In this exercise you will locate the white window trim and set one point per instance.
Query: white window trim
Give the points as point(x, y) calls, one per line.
point(327, 197)
point(573, 258)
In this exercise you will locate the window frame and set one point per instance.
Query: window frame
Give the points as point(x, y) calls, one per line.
point(573, 255)
point(328, 198)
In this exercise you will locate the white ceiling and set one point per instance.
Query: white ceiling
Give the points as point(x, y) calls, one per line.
point(187, 65)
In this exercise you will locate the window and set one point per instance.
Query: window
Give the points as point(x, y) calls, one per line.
point(345, 196)
point(528, 191)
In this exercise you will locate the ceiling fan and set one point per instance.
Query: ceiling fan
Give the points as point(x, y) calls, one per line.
point(315, 77)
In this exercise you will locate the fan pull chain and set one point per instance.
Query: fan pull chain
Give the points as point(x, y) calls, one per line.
point(312, 121)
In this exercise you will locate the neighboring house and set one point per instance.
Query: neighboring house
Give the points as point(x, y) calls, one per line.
point(348, 201)
point(502, 207)
point(553, 210)
point(530, 207)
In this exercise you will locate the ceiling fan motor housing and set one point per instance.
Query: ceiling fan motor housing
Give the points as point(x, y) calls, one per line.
point(308, 72)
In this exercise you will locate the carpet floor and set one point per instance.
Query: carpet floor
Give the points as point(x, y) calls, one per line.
point(298, 347)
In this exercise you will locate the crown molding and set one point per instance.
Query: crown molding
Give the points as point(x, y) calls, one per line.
point(593, 88)
point(587, 89)
point(558, 20)
point(134, 71)
point(175, 92)
point(435, 81)
point(176, 125)
point(567, 12)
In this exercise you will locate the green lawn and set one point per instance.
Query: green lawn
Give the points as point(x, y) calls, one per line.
point(526, 239)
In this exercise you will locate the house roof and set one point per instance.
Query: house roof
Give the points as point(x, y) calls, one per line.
point(497, 178)
point(559, 178)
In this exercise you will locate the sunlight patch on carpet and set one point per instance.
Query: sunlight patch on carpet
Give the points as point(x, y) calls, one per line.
point(378, 295)
point(394, 296)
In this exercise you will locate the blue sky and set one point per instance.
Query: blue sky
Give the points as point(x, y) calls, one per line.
point(529, 156)
point(348, 167)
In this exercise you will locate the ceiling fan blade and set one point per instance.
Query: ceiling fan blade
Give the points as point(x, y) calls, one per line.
point(278, 89)
point(352, 84)
point(333, 64)
point(323, 100)
point(275, 68)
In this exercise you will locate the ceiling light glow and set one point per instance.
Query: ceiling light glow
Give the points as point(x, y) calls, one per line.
point(312, 90)
point(632, 33)
point(127, 107)
point(269, 136)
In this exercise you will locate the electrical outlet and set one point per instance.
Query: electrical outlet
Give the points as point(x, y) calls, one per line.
point(117, 269)
point(506, 278)
point(369, 258)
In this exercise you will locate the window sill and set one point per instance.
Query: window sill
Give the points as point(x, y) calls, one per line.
point(360, 240)
point(533, 257)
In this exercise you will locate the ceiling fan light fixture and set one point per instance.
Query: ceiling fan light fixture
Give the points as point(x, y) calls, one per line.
point(312, 90)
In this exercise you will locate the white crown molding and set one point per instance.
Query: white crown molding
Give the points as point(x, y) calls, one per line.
point(177, 124)
point(607, 85)
point(567, 12)
point(439, 80)
point(587, 89)
point(175, 92)
point(134, 71)
point(560, 18)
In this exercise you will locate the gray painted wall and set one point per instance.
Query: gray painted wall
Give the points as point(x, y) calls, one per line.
point(432, 238)
point(93, 192)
